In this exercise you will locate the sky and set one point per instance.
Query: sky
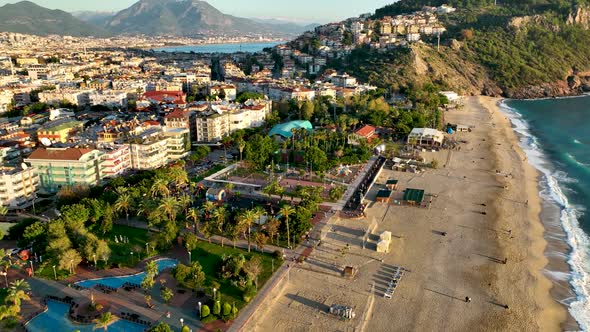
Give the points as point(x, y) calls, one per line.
point(317, 11)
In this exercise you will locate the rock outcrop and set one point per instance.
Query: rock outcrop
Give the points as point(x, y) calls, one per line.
point(580, 16)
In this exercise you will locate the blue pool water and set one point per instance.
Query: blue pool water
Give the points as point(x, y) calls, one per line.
point(117, 282)
point(55, 319)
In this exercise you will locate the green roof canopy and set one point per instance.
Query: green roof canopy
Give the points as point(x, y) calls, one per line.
point(414, 195)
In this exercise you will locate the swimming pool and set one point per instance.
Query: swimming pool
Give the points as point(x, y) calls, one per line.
point(117, 282)
point(56, 319)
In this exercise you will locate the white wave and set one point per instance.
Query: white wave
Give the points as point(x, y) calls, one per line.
point(572, 158)
point(577, 142)
point(558, 275)
point(579, 257)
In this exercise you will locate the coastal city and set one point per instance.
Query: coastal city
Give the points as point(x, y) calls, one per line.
point(208, 172)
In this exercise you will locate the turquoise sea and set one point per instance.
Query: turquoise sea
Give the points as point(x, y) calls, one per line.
point(220, 48)
point(555, 134)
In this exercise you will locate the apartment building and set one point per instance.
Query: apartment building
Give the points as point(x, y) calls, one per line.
point(58, 167)
point(113, 99)
point(76, 97)
point(59, 130)
point(116, 160)
point(178, 143)
point(148, 150)
point(209, 126)
point(18, 187)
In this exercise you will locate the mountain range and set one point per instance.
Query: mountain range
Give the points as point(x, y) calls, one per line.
point(149, 17)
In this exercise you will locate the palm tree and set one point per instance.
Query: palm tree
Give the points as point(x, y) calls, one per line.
point(259, 211)
point(248, 217)
point(178, 176)
point(123, 203)
point(220, 215)
point(3, 210)
point(185, 201)
point(207, 208)
point(194, 215)
point(169, 205)
point(286, 211)
point(241, 146)
point(160, 187)
point(18, 292)
point(104, 320)
point(272, 227)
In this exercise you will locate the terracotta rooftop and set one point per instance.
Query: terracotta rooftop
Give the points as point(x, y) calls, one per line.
point(59, 154)
point(366, 131)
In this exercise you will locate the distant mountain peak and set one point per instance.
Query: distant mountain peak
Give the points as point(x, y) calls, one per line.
point(30, 18)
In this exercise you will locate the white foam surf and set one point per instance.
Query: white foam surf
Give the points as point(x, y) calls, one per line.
point(579, 257)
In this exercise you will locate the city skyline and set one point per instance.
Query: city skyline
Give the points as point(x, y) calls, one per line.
point(323, 11)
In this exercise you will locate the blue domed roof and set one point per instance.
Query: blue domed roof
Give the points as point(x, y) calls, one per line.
point(284, 129)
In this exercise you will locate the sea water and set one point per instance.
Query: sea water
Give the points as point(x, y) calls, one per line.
point(555, 134)
point(220, 48)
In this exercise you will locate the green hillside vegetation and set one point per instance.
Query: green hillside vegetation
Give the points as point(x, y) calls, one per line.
point(504, 49)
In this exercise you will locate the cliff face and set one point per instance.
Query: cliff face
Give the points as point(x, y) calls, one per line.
point(580, 16)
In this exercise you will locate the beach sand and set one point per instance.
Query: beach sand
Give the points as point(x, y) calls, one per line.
point(441, 270)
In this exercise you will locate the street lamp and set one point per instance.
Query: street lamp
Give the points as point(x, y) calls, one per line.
point(214, 292)
point(5, 274)
point(147, 248)
point(32, 270)
point(181, 322)
point(71, 266)
point(189, 257)
point(200, 315)
point(94, 257)
point(54, 273)
point(131, 257)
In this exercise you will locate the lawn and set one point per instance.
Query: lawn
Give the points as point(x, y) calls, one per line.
point(209, 255)
point(121, 252)
point(210, 172)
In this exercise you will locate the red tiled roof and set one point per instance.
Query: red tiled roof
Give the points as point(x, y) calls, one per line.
point(59, 154)
point(176, 114)
point(366, 131)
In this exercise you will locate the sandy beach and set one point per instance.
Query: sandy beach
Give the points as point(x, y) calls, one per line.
point(485, 200)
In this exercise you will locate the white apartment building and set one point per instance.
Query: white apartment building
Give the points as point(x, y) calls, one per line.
point(209, 126)
point(76, 97)
point(116, 160)
point(113, 99)
point(58, 167)
point(6, 98)
point(18, 187)
point(149, 154)
point(178, 144)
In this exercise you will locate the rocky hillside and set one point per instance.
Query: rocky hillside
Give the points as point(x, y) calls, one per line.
point(186, 18)
point(27, 17)
point(518, 49)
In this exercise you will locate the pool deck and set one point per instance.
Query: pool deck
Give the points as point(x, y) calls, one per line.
point(132, 302)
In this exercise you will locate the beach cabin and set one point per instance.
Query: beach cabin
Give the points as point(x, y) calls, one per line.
point(413, 196)
point(383, 246)
point(426, 137)
point(383, 196)
point(215, 194)
point(391, 184)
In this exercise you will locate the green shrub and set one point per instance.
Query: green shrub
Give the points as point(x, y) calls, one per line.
point(208, 319)
point(217, 308)
point(226, 309)
point(278, 255)
point(205, 311)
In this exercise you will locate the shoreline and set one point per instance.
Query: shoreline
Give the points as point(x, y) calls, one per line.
point(554, 314)
point(474, 257)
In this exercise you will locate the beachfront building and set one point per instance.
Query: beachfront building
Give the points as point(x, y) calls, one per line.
point(426, 137)
point(148, 150)
point(178, 144)
point(58, 167)
point(18, 187)
point(116, 160)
